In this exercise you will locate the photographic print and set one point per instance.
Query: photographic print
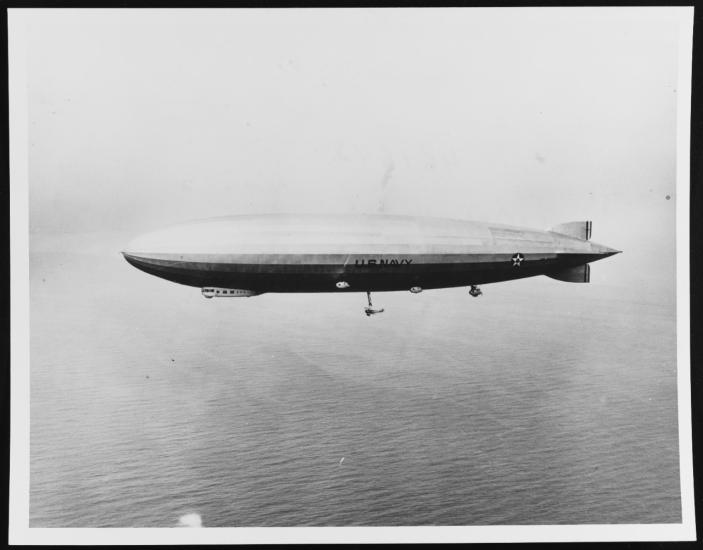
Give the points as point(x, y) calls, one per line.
point(454, 247)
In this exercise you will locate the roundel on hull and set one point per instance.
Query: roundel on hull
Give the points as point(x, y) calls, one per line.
point(517, 259)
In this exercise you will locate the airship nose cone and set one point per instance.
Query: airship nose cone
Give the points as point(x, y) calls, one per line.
point(140, 245)
point(129, 257)
point(129, 254)
point(175, 240)
point(142, 249)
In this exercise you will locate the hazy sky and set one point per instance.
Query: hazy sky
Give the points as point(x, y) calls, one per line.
point(142, 118)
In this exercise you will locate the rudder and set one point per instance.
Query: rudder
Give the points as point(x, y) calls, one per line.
point(580, 230)
point(578, 274)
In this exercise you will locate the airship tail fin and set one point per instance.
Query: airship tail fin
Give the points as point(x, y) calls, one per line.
point(578, 274)
point(580, 230)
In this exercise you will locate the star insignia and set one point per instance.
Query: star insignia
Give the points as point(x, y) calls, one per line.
point(517, 259)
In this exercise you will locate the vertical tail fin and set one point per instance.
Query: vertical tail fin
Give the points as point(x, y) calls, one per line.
point(578, 274)
point(580, 230)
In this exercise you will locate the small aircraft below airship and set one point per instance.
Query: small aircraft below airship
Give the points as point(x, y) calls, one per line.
point(241, 256)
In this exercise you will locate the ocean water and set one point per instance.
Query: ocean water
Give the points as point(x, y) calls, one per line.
point(540, 402)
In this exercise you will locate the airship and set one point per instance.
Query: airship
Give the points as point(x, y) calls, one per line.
point(244, 256)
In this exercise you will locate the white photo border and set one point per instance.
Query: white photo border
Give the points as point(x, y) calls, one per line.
point(21, 534)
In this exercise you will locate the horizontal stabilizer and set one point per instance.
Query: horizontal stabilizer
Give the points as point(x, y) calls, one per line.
point(578, 274)
point(580, 230)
